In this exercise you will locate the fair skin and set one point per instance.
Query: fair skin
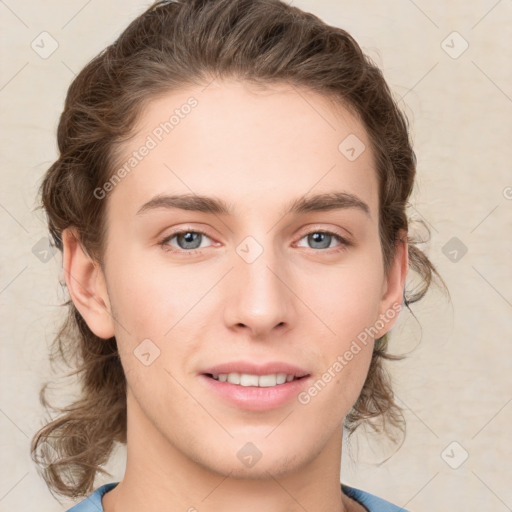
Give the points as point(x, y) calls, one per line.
point(303, 300)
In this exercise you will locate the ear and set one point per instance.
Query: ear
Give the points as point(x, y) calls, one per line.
point(86, 284)
point(393, 286)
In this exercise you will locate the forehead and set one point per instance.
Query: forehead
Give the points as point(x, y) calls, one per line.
point(252, 146)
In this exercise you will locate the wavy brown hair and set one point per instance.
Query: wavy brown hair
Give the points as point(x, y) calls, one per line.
point(175, 44)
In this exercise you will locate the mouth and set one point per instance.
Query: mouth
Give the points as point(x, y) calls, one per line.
point(254, 380)
point(255, 388)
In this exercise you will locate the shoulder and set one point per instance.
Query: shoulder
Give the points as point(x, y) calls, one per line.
point(93, 502)
point(369, 501)
point(373, 503)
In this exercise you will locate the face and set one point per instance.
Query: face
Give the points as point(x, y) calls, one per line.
point(249, 268)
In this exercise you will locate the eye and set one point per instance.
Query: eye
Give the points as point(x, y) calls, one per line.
point(323, 239)
point(187, 240)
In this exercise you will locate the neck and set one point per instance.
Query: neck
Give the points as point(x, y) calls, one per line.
point(159, 477)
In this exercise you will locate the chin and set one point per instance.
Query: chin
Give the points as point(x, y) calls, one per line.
point(254, 460)
point(262, 470)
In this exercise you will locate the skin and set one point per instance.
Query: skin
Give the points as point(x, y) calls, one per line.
point(297, 302)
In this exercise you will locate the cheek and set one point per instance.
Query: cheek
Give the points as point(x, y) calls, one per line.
point(157, 315)
point(147, 296)
point(345, 298)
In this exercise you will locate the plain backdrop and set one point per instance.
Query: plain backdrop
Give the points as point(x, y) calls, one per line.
point(448, 64)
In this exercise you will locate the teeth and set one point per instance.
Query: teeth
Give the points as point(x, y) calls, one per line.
point(262, 381)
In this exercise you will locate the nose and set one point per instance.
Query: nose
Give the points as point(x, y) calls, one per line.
point(258, 296)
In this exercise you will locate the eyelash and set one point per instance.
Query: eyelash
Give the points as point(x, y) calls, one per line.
point(344, 243)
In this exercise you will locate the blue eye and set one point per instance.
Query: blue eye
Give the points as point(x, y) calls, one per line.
point(186, 240)
point(189, 242)
point(323, 239)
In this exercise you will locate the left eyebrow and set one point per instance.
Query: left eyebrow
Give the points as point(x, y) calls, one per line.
point(301, 205)
point(327, 201)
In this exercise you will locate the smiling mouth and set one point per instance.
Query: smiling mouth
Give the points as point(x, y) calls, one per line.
point(252, 380)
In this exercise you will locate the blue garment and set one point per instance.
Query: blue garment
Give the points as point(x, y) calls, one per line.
point(369, 501)
point(374, 504)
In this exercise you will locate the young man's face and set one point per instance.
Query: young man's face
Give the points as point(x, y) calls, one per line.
point(261, 286)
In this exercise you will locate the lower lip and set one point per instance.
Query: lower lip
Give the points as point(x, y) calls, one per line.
point(254, 398)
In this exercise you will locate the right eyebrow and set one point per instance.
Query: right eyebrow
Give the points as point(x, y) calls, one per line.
point(192, 202)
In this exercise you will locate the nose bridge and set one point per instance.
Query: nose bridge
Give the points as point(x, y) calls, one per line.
point(259, 298)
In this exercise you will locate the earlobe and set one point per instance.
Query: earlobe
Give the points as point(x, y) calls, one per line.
point(86, 285)
point(393, 290)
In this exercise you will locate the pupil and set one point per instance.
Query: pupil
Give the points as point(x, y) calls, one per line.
point(318, 237)
point(189, 238)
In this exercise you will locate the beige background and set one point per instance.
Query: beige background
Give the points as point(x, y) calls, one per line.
point(456, 383)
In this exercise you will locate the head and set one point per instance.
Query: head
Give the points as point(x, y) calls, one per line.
point(260, 106)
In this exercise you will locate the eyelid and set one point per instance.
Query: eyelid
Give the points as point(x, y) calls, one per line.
point(344, 235)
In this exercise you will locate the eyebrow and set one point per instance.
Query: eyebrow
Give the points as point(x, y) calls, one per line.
point(217, 206)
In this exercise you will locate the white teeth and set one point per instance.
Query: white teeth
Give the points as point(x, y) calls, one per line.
point(281, 378)
point(248, 380)
point(233, 378)
point(262, 381)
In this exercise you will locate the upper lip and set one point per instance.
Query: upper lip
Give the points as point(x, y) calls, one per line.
point(256, 369)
